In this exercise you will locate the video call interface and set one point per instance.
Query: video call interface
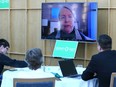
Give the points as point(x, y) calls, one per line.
point(84, 21)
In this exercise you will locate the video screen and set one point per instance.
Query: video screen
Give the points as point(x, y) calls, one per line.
point(69, 21)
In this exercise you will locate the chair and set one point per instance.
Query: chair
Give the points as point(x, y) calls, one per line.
point(39, 82)
point(113, 80)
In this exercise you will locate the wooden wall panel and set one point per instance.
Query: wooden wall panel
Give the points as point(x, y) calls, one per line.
point(102, 21)
point(19, 57)
point(103, 3)
point(34, 29)
point(113, 3)
point(76, 0)
point(113, 27)
point(4, 24)
point(80, 53)
point(49, 46)
point(18, 4)
point(21, 26)
point(92, 47)
point(17, 32)
point(35, 3)
point(52, 61)
point(92, 0)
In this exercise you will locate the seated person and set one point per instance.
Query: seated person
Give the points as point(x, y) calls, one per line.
point(34, 59)
point(103, 63)
point(7, 61)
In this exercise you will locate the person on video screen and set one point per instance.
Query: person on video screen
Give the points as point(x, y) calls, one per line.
point(67, 27)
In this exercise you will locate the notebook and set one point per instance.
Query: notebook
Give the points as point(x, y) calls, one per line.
point(68, 68)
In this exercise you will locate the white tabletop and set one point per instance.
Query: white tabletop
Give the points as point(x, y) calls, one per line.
point(65, 82)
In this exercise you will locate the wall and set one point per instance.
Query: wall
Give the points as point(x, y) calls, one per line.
point(21, 26)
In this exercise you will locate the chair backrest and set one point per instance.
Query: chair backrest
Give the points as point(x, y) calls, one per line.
point(113, 80)
point(39, 82)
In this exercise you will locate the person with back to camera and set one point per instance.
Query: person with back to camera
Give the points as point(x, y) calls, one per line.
point(5, 60)
point(102, 64)
point(34, 59)
point(67, 28)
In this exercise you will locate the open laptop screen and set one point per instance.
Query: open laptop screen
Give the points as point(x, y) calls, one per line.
point(67, 68)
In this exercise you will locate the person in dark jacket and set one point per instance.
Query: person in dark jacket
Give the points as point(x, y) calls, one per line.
point(5, 60)
point(103, 63)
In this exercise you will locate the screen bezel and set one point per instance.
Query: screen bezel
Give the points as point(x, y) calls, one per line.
point(88, 41)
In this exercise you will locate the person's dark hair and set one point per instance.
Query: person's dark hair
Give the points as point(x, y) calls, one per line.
point(105, 42)
point(4, 42)
point(34, 58)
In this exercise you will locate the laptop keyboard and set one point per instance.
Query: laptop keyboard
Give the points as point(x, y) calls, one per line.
point(73, 76)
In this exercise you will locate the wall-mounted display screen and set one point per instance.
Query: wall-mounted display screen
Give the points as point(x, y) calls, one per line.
point(69, 21)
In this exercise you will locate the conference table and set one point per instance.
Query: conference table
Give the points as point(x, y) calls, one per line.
point(63, 82)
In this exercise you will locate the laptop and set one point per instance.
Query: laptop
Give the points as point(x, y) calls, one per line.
point(68, 68)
